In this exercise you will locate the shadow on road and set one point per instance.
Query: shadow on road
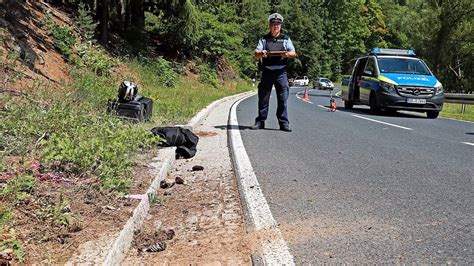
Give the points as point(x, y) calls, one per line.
point(239, 127)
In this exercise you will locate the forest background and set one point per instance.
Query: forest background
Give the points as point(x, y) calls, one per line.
point(328, 34)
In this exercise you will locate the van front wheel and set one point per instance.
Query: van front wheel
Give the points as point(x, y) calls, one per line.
point(432, 114)
point(374, 109)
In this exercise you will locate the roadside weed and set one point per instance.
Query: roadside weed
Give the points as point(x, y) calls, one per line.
point(5, 215)
point(18, 189)
point(59, 214)
point(10, 247)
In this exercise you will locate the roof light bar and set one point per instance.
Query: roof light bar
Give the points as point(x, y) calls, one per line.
point(386, 51)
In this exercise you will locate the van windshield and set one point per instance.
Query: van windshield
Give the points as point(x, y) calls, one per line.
point(402, 66)
point(299, 77)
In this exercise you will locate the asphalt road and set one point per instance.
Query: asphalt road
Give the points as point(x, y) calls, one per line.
point(357, 188)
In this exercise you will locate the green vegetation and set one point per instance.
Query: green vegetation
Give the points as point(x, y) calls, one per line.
point(74, 129)
point(17, 190)
point(454, 110)
point(59, 214)
point(5, 215)
point(10, 245)
point(180, 103)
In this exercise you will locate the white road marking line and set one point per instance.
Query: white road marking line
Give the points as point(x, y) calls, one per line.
point(381, 122)
point(468, 143)
point(259, 218)
point(326, 108)
point(323, 106)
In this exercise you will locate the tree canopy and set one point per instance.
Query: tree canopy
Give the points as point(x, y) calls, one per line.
point(327, 34)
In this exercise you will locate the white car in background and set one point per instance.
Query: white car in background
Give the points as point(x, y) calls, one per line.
point(323, 84)
point(301, 81)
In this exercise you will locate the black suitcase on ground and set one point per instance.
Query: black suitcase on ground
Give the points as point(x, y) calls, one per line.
point(139, 110)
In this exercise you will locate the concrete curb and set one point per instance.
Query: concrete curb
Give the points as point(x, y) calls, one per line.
point(197, 119)
point(162, 164)
point(258, 216)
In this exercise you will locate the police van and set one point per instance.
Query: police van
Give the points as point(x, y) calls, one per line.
point(393, 79)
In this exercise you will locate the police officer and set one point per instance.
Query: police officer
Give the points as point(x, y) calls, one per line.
point(274, 72)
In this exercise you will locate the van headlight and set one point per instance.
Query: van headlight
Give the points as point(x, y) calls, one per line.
point(439, 88)
point(387, 86)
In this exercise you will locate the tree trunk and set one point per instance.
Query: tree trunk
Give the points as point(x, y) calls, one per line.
point(118, 10)
point(127, 15)
point(138, 14)
point(103, 15)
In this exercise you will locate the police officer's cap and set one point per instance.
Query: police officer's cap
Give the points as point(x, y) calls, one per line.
point(275, 18)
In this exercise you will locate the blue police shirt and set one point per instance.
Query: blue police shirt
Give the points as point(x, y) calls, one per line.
point(287, 44)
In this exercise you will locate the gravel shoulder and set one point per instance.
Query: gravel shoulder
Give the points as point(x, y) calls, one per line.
point(200, 221)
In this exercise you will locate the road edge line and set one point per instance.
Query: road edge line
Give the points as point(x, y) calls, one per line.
point(258, 217)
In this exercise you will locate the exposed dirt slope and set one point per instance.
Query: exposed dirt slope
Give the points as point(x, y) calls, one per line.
point(27, 53)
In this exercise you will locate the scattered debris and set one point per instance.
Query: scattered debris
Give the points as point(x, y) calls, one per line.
point(62, 238)
point(198, 168)
point(180, 180)
point(167, 193)
point(167, 183)
point(136, 196)
point(169, 234)
point(157, 247)
point(153, 241)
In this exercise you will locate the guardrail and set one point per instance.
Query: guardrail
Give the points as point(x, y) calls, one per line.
point(461, 98)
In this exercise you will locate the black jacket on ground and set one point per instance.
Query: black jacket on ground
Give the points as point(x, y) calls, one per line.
point(184, 140)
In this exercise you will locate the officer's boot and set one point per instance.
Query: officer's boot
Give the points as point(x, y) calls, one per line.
point(258, 125)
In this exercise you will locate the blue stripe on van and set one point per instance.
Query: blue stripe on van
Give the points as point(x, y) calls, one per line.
point(411, 79)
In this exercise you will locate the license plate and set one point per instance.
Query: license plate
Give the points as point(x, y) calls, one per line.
point(418, 101)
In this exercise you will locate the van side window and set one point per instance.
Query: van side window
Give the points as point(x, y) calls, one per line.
point(370, 68)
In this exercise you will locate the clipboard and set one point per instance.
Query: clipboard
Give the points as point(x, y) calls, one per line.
point(275, 53)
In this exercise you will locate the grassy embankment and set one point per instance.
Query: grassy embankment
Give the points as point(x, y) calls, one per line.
point(453, 110)
point(67, 129)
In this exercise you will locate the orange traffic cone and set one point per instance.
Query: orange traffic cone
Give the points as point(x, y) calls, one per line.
point(332, 103)
point(306, 96)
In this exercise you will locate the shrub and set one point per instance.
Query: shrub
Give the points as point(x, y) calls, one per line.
point(208, 75)
point(64, 38)
point(163, 69)
point(86, 23)
point(95, 59)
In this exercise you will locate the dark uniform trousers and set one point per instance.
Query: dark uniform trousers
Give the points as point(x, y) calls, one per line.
point(278, 78)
